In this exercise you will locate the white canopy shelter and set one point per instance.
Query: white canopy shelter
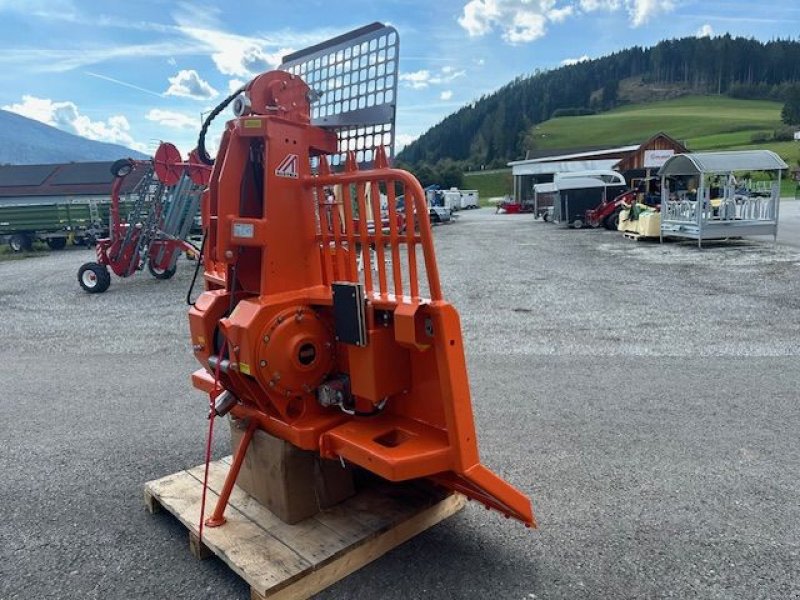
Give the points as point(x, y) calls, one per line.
point(746, 201)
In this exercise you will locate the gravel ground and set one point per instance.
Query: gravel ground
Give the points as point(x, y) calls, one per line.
point(645, 397)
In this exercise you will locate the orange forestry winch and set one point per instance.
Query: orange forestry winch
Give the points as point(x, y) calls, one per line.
point(314, 325)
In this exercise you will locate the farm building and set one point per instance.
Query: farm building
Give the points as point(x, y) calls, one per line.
point(52, 201)
point(66, 181)
point(638, 160)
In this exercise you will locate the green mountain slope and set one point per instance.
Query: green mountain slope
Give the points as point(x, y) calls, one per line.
point(497, 127)
point(703, 122)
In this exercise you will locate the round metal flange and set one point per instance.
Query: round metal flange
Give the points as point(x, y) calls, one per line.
point(199, 172)
point(168, 164)
point(296, 353)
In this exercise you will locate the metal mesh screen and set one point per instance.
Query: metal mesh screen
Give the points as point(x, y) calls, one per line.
point(355, 78)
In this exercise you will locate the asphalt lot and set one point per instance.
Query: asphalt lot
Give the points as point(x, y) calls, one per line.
point(645, 397)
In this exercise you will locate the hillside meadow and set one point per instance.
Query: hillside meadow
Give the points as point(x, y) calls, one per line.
point(703, 123)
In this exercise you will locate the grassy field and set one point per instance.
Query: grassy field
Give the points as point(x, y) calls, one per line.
point(489, 184)
point(701, 122)
point(726, 121)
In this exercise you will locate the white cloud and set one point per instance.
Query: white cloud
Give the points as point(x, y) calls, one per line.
point(423, 78)
point(523, 21)
point(639, 11)
point(242, 55)
point(592, 5)
point(705, 31)
point(574, 61)
point(479, 16)
point(519, 21)
point(173, 119)
point(446, 95)
point(558, 15)
point(57, 60)
point(401, 140)
point(196, 31)
point(416, 79)
point(525, 27)
point(188, 84)
point(65, 116)
point(235, 84)
point(235, 55)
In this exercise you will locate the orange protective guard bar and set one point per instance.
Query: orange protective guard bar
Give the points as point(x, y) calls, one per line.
point(339, 233)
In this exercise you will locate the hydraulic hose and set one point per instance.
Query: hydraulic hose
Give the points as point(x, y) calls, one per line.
point(202, 154)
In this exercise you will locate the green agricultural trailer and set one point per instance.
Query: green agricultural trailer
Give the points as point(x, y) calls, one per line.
point(57, 203)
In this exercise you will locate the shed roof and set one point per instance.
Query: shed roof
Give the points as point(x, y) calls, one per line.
point(575, 155)
point(580, 183)
point(545, 188)
point(602, 174)
point(561, 166)
point(722, 162)
point(63, 179)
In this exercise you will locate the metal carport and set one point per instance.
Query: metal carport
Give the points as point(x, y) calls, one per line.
point(744, 206)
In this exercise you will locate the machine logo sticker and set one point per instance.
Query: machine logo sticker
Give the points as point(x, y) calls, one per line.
point(288, 167)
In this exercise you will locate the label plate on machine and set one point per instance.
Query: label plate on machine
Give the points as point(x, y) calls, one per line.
point(243, 230)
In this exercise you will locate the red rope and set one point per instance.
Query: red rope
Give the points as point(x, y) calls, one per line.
point(212, 397)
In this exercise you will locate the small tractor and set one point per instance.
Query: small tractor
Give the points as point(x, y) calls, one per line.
point(607, 212)
point(361, 365)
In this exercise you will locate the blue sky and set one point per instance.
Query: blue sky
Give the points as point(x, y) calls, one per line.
point(138, 72)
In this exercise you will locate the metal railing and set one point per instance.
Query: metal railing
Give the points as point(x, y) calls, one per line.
point(739, 205)
point(362, 242)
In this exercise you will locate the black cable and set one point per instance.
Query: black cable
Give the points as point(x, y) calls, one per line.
point(233, 287)
point(372, 413)
point(376, 410)
point(201, 140)
point(199, 259)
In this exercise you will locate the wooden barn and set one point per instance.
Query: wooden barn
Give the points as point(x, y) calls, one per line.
point(647, 159)
point(635, 161)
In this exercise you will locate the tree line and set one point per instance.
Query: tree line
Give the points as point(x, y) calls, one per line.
point(491, 131)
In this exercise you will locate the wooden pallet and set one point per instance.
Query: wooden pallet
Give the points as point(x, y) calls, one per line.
point(636, 237)
point(281, 561)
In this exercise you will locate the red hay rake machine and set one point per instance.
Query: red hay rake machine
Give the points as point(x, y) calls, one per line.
point(154, 230)
point(314, 326)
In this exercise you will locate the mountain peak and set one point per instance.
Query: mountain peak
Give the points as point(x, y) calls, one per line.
point(25, 141)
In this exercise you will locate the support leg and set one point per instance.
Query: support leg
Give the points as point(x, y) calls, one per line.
point(218, 518)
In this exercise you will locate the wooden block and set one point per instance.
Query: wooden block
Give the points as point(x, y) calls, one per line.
point(150, 503)
point(281, 561)
point(294, 484)
point(197, 548)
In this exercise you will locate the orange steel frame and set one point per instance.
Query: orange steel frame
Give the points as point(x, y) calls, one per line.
point(274, 248)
